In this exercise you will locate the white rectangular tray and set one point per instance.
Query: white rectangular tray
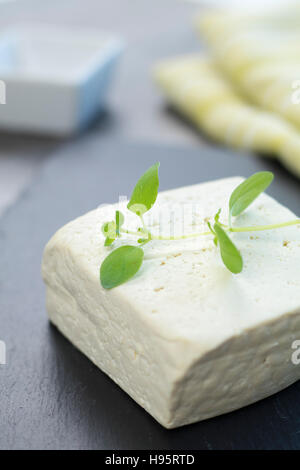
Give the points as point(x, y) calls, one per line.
point(54, 80)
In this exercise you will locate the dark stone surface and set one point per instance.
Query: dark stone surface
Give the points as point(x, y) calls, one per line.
point(51, 395)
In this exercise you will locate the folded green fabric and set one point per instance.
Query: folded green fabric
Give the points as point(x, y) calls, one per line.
point(259, 54)
point(197, 89)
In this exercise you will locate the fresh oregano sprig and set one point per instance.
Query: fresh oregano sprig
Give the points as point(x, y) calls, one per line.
point(124, 262)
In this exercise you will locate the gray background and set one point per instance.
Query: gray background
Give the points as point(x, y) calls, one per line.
point(152, 29)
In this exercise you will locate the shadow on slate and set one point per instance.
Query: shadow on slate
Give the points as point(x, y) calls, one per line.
point(51, 395)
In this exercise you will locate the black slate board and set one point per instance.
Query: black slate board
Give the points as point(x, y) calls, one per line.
point(51, 396)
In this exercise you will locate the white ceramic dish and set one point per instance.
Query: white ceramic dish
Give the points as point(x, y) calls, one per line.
point(55, 79)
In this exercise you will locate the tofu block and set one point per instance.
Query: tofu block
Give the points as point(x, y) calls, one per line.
point(185, 338)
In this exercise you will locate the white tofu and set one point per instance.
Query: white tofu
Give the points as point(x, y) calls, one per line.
point(185, 338)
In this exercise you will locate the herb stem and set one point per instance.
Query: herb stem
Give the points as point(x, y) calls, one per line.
point(144, 225)
point(254, 228)
point(161, 237)
point(260, 228)
point(229, 220)
point(130, 232)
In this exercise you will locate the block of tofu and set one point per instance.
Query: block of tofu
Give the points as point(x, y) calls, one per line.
point(185, 338)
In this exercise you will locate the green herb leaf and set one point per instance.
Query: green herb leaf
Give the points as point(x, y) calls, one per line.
point(145, 192)
point(217, 216)
point(119, 222)
point(143, 241)
point(248, 191)
point(210, 228)
point(229, 253)
point(109, 241)
point(109, 229)
point(120, 266)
